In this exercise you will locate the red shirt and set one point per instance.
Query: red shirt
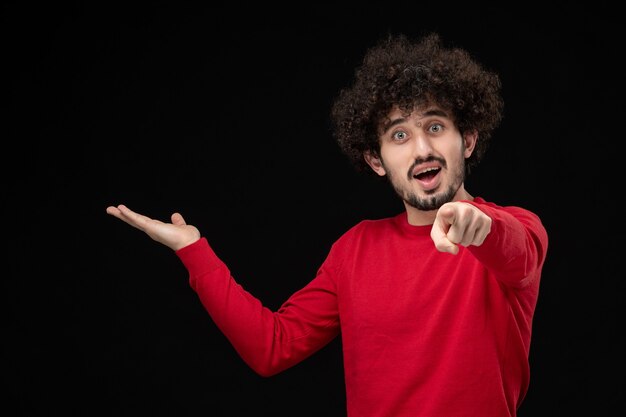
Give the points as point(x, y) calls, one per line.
point(424, 333)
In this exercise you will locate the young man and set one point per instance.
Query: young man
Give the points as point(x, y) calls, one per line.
point(434, 305)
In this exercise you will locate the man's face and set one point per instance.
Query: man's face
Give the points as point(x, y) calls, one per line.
point(423, 155)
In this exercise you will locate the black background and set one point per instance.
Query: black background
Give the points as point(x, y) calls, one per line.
point(221, 113)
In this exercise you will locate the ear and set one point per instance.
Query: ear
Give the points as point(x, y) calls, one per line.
point(469, 140)
point(374, 162)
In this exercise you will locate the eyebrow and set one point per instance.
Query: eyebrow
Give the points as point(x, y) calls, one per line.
point(427, 113)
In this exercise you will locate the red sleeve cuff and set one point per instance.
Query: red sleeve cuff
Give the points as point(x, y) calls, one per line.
point(199, 258)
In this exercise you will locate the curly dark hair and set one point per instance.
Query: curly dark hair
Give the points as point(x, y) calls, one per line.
point(407, 74)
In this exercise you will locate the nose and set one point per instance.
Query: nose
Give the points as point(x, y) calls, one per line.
point(422, 146)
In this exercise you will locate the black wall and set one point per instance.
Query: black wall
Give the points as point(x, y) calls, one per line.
point(222, 114)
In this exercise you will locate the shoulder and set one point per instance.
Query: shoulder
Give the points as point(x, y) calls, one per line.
point(360, 238)
point(369, 227)
point(511, 215)
point(367, 231)
point(513, 210)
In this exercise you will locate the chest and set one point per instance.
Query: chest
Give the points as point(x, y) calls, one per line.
point(407, 286)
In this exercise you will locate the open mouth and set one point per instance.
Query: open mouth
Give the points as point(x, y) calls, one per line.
point(427, 174)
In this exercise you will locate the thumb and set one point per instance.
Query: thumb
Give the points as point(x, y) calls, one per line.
point(178, 220)
point(445, 245)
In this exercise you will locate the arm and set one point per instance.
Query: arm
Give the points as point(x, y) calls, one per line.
point(510, 241)
point(516, 247)
point(267, 341)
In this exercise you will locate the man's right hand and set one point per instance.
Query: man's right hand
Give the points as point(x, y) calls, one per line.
point(175, 235)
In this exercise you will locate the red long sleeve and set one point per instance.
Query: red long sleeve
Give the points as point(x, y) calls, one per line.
point(268, 341)
point(424, 333)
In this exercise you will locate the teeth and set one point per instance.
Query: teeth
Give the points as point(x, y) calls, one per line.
point(426, 170)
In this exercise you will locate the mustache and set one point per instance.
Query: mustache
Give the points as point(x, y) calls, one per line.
point(419, 161)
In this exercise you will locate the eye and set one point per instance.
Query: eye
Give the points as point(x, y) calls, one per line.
point(399, 135)
point(436, 128)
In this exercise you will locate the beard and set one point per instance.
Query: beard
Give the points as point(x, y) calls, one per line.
point(428, 203)
point(434, 198)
